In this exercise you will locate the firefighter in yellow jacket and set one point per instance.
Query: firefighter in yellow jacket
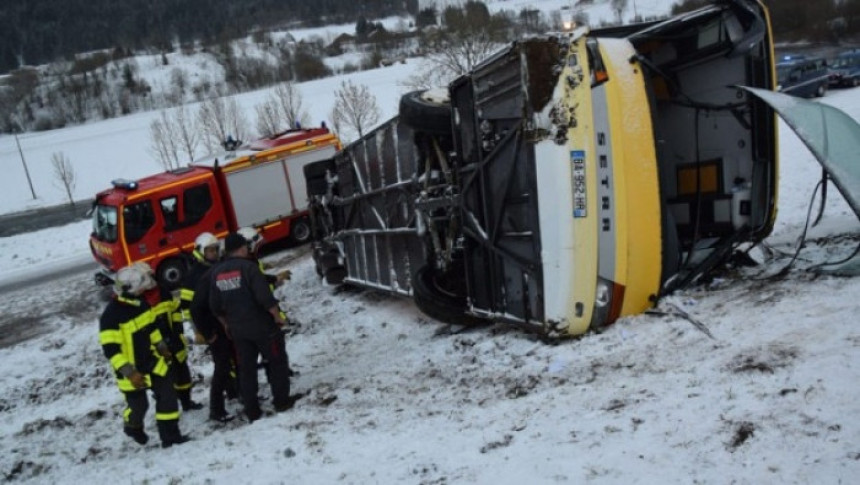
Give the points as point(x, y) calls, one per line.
point(169, 316)
point(131, 340)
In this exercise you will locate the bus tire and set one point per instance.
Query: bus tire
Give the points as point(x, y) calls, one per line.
point(423, 113)
point(436, 299)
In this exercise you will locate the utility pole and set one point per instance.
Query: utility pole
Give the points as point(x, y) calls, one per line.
point(24, 163)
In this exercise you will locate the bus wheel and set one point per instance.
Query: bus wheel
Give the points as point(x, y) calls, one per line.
point(170, 273)
point(440, 296)
point(300, 231)
point(428, 111)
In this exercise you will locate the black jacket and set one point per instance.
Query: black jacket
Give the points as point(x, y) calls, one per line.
point(189, 284)
point(204, 320)
point(240, 293)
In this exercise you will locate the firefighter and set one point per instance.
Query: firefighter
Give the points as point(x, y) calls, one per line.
point(241, 299)
point(163, 304)
point(256, 241)
point(132, 342)
point(194, 304)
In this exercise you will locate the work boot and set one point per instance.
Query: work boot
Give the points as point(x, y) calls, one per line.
point(188, 404)
point(137, 434)
point(170, 435)
point(176, 441)
point(253, 413)
point(222, 418)
point(291, 401)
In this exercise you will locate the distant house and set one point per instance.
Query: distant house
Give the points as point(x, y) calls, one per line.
point(343, 42)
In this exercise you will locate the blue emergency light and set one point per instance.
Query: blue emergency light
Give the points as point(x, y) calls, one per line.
point(124, 184)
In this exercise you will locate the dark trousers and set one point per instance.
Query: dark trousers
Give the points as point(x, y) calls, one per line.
point(180, 373)
point(223, 380)
point(166, 407)
point(273, 350)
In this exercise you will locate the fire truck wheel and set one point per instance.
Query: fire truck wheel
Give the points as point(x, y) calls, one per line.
point(170, 273)
point(300, 231)
point(439, 296)
point(427, 111)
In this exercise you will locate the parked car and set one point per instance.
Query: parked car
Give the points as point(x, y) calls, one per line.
point(844, 69)
point(566, 181)
point(802, 76)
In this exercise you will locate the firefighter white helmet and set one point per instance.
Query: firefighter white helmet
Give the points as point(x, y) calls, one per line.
point(254, 238)
point(205, 240)
point(134, 279)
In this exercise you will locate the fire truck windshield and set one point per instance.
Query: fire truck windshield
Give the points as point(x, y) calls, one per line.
point(104, 223)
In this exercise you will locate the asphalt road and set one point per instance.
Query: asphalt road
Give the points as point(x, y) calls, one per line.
point(33, 220)
point(28, 277)
point(42, 218)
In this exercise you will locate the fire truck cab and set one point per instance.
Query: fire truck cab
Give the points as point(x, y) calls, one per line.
point(156, 219)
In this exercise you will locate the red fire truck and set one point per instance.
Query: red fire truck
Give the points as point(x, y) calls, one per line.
point(156, 219)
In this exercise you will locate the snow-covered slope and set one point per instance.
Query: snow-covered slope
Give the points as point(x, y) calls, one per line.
point(394, 397)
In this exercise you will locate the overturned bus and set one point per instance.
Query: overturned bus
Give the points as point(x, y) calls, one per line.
point(566, 181)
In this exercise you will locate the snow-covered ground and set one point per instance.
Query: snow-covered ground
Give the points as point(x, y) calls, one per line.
point(394, 397)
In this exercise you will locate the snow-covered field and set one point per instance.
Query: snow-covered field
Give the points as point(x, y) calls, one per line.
point(394, 397)
point(102, 151)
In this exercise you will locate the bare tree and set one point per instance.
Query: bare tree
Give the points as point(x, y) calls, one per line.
point(336, 123)
point(221, 118)
point(267, 122)
point(471, 34)
point(281, 110)
point(64, 174)
point(355, 107)
point(618, 6)
point(452, 54)
point(164, 144)
point(289, 101)
point(185, 128)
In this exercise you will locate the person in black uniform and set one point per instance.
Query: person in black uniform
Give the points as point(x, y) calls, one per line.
point(131, 340)
point(241, 299)
point(194, 297)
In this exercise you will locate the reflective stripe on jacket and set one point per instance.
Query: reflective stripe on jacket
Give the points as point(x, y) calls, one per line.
point(128, 335)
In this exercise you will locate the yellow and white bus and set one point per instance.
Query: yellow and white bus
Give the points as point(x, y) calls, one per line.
point(566, 181)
